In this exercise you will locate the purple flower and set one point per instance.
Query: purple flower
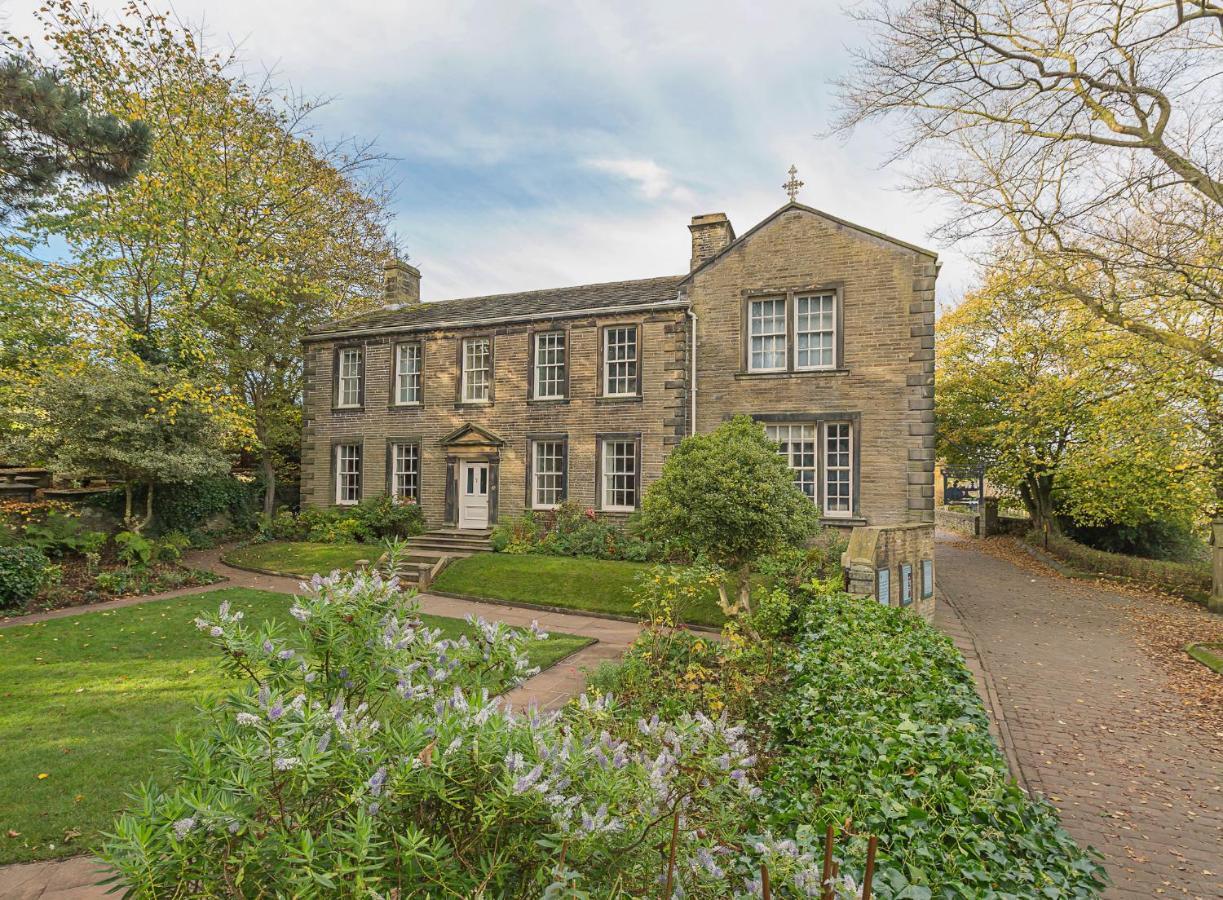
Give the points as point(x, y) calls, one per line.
point(523, 784)
point(376, 781)
point(183, 827)
point(275, 711)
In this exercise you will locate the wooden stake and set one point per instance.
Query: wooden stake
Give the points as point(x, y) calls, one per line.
point(765, 888)
point(869, 875)
point(825, 893)
point(671, 862)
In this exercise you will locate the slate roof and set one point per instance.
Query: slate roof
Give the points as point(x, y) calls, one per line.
point(642, 292)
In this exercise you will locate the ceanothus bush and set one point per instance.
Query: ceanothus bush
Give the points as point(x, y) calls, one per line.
point(367, 755)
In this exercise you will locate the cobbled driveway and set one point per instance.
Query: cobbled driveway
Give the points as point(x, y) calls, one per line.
point(1089, 721)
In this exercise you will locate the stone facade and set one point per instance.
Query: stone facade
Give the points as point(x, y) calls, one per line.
point(880, 388)
point(883, 380)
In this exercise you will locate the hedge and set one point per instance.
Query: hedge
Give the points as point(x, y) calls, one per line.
point(1188, 580)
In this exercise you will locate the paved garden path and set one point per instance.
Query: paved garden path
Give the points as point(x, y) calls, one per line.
point(76, 878)
point(1089, 720)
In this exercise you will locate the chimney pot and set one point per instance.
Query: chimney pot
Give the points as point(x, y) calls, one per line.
point(711, 234)
point(400, 283)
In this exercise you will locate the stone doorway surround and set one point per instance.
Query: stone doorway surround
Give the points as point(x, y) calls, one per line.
point(471, 444)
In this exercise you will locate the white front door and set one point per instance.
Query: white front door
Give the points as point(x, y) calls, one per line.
point(473, 495)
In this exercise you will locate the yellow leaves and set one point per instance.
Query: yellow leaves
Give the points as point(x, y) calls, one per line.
point(43, 776)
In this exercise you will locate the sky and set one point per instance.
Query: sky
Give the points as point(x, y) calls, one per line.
point(540, 144)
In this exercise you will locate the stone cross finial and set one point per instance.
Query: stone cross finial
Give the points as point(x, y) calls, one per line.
point(792, 186)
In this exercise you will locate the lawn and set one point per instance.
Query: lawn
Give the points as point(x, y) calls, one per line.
point(595, 585)
point(88, 701)
point(302, 558)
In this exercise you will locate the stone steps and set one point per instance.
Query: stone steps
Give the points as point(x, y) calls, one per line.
point(426, 551)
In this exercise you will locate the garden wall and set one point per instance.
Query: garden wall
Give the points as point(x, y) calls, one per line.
point(957, 521)
point(894, 564)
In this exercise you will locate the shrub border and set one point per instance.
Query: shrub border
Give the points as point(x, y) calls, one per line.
point(1072, 568)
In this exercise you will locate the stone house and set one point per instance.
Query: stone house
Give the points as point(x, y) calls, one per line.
point(482, 408)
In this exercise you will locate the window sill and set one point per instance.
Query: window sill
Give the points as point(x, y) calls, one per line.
point(799, 373)
point(473, 404)
point(547, 401)
point(347, 409)
point(408, 407)
point(834, 521)
point(627, 398)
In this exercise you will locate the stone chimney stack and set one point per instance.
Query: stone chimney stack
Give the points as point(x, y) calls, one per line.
point(711, 233)
point(400, 283)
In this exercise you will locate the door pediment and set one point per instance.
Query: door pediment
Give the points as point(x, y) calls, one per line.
point(470, 435)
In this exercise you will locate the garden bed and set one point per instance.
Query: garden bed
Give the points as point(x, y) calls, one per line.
point(80, 586)
point(90, 701)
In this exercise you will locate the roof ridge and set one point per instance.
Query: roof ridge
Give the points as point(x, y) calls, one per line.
point(567, 287)
point(543, 302)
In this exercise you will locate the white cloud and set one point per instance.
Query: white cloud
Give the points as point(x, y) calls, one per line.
point(652, 180)
point(545, 143)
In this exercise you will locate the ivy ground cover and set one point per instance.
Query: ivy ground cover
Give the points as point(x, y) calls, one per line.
point(89, 702)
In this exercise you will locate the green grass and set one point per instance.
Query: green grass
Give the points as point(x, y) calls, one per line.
point(594, 585)
point(302, 558)
point(91, 700)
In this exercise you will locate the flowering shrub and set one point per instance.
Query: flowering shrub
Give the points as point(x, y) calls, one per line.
point(370, 521)
point(366, 754)
point(571, 530)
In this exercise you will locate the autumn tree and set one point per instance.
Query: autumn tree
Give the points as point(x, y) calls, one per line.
point(244, 229)
point(1091, 134)
point(1080, 419)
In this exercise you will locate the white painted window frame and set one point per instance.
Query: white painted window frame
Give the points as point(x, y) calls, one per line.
point(399, 472)
point(537, 472)
point(822, 296)
point(558, 368)
point(346, 379)
point(341, 474)
point(606, 489)
point(752, 303)
point(469, 370)
point(814, 468)
point(400, 374)
point(848, 468)
point(634, 361)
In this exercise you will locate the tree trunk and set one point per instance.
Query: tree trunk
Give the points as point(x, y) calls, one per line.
point(745, 589)
point(1037, 495)
point(127, 505)
point(269, 484)
point(1215, 435)
point(148, 510)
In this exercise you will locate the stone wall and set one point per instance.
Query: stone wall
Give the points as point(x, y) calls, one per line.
point(884, 380)
point(905, 553)
point(959, 521)
point(659, 414)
